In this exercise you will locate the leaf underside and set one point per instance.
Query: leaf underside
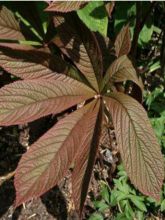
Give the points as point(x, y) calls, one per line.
point(137, 143)
point(25, 101)
point(85, 160)
point(65, 6)
point(47, 160)
point(25, 63)
point(9, 26)
point(80, 45)
point(122, 70)
point(123, 42)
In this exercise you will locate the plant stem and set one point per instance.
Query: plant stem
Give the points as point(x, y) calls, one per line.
point(7, 177)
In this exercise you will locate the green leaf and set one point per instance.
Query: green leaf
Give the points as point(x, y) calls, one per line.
point(125, 12)
point(95, 17)
point(122, 186)
point(154, 66)
point(147, 30)
point(113, 201)
point(162, 207)
point(140, 215)
point(145, 34)
point(120, 216)
point(96, 216)
point(105, 192)
point(127, 209)
point(100, 205)
point(120, 195)
point(138, 202)
point(159, 126)
point(137, 143)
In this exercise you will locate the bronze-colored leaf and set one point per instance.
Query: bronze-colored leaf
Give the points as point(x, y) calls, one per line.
point(123, 42)
point(85, 160)
point(109, 8)
point(46, 162)
point(25, 101)
point(27, 63)
point(9, 26)
point(65, 6)
point(137, 143)
point(122, 70)
point(80, 45)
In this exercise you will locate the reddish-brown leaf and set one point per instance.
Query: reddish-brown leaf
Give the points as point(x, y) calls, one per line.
point(137, 143)
point(109, 8)
point(80, 45)
point(85, 160)
point(9, 26)
point(122, 70)
point(47, 160)
point(65, 6)
point(123, 42)
point(30, 63)
point(25, 101)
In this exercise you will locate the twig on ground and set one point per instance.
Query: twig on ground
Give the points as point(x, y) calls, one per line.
point(6, 177)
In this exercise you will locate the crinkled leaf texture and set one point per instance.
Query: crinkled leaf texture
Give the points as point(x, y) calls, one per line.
point(74, 139)
point(123, 42)
point(31, 63)
point(122, 70)
point(84, 162)
point(80, 45)
point(27, 100)
point(47, 160)
point(65, 6)
point(25, 63)
point(9, 26)
point(137, 143)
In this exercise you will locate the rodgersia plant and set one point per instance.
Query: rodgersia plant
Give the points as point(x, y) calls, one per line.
point(92, 71)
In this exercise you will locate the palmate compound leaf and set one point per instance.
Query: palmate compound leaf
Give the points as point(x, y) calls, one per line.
point(27, 100)
point(47, 161)
point(84, 163)
point(122, 70)
point(9, 26)
point(137, 143)
point(80, 45)
point(65, 6)
point(123, 42)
